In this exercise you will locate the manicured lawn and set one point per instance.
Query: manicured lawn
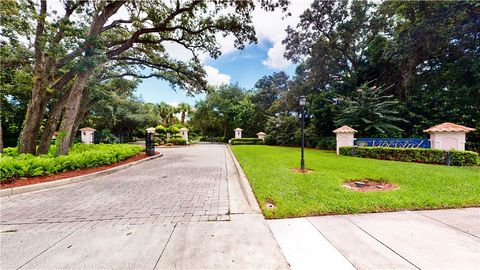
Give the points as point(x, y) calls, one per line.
point(422, 186)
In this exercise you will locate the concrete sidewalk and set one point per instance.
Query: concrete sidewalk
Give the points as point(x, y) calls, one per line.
point(436, 239)
point(167, 213)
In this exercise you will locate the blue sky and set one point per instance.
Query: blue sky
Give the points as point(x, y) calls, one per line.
point(233, 66)
point(244, 67)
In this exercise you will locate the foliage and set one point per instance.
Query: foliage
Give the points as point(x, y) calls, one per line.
point(215, 139)
point(242, 141)
point(281, 130)
point(160, 129)
point(420, 155)
point(105, 136)
point(173, 130)
point(421, 186)
point(177, 141)
point(369, 111)
point(326, 143)
point(80, 156)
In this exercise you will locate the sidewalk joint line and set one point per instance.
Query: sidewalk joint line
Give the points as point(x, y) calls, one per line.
point(356, 225)
point(54, 244)
point(165, 247)
point(339, 251)
point(448, 225)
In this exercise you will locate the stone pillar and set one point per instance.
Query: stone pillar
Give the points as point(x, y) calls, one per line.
point(87, 135)
point(261, 135)
point(345, 137)
point(150, 141)
point(184, 133)
point(238, 133)
point(448, 136)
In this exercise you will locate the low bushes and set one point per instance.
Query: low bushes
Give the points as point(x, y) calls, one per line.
point(80, 156)
point(215, 139)
point(431, 156)
point(240, 141)
point(177, 141)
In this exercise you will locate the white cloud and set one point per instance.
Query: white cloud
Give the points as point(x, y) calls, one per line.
point(275, 58)
point(215, 78)
point(271, 27)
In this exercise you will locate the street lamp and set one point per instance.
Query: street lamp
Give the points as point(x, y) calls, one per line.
point(302, 101)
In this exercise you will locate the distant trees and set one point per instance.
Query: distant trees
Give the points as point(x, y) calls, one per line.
point(63, 53)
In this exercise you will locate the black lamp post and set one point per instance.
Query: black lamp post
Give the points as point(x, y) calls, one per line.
point(302, 101)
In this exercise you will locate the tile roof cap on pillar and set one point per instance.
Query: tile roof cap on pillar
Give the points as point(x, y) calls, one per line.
point(87, 129)
point(261, 133)
point(238, 129)
point(449, 127)
point(344, 129)
point(184, 128)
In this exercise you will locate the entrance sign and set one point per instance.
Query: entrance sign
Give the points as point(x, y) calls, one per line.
point(393, 142)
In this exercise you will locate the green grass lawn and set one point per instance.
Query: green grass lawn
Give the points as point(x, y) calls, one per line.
point(421, 186)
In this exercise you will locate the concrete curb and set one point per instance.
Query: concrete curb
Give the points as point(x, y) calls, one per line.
point(46, 185)
point(245, 184)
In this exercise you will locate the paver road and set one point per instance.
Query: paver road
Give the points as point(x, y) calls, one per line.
point(184, 185)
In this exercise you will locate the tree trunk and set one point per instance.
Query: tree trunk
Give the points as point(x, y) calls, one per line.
point(72, 107)
point(183, 117)
point(34, 115)
point(52, 123)
point(1, 136)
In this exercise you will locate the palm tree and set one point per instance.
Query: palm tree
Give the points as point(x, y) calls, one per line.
point(164, 111)
point(185, 109)
point(171, 114)
point(370, 111)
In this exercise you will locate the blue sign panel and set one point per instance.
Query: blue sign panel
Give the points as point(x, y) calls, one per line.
point(393, 142)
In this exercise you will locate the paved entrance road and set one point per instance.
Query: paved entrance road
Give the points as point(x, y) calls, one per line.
point(184, 210)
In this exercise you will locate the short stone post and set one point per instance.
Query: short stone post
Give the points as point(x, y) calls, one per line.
point(238, 133)
point(448, 136)
point(345, 137)
point(87, 135)
point(184, 133)
point(261, 135)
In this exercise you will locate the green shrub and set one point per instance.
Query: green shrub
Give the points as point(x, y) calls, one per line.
point(80, 156)
point(10, 151)
point(421, 155)
point(242, 141)
point(177, 141)
point(326, 143)
point(160, 129)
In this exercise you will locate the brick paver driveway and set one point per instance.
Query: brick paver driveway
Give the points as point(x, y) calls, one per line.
point(184, 185)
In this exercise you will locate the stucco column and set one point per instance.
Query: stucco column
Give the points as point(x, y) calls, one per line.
point(448, 136)
point(261, 135)
point(87, 135)
point(238, 133)
point(184, 133)
point(345, 137)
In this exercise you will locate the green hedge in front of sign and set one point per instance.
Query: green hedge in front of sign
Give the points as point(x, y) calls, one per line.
point(239, 141)
point(420, 155)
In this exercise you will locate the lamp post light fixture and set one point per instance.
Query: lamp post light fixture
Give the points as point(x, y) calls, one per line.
point(302, 101)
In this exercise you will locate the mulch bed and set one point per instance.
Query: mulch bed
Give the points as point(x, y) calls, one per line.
point(17, 182)
point(298, 170)
point(369, 185)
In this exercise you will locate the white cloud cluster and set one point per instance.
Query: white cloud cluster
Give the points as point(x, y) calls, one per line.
point(271, 27)
point(215, 78)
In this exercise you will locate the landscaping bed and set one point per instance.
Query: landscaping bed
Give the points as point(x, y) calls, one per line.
point(322, 192)
point(14, 166)
point(18, 182)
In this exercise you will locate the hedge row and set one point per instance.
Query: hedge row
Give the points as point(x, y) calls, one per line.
point(80, 156)
point(177, 141)
point(242, 141)
point(431, 156)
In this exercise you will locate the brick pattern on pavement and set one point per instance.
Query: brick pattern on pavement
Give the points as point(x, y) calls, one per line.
point(187, 184)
